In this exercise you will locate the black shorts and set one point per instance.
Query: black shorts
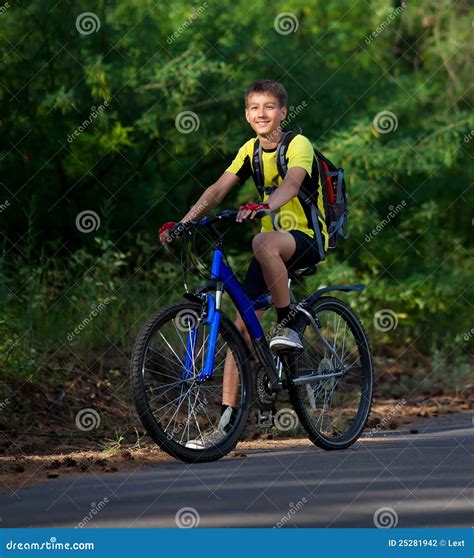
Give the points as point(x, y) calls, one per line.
point(306, 255)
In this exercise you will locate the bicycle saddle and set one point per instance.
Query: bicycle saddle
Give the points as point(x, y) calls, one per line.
point(303, 272)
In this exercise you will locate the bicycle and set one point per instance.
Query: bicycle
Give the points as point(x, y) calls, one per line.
point(177, 360)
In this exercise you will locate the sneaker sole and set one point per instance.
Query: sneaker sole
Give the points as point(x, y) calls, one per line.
point(280, 344)
point(199, 445)
point(193, 445)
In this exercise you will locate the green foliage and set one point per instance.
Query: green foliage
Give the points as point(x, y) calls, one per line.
point(17, 355)
point(134, 168)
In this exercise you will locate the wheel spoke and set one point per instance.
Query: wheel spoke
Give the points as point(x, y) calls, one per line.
point(183, 409)
point(171, 348)
point(158, 373)
point(332, 405)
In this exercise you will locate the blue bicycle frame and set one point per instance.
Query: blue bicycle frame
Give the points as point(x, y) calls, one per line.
point(224, 278)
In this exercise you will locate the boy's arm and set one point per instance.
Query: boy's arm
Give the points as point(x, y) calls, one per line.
point(288, 189)
point(212, 196)
point(300, 156)
point(300, 159)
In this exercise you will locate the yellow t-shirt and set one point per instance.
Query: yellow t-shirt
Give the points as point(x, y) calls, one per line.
point(292, 215)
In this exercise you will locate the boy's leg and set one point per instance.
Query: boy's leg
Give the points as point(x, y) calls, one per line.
point(230, 394)
point(272, 250)
point(230, 384)
point(254, 286)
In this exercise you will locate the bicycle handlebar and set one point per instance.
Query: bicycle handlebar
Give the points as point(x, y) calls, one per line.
point(226, 215)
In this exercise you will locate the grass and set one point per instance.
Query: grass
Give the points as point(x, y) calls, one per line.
point(111, 447)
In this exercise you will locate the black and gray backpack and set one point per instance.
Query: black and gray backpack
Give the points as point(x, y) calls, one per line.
point(333, 187)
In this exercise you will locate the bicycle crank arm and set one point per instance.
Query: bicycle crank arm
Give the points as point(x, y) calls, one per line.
point(314, 325)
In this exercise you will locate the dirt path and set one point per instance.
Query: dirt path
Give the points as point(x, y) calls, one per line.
point(419, 473)
point(48, 461)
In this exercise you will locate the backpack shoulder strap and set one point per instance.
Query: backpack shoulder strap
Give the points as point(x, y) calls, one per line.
point(281, 160)
point(257, 167)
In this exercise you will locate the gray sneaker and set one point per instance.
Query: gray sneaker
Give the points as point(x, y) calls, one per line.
point(212, 437)
point(207, 440)
point(284, 338)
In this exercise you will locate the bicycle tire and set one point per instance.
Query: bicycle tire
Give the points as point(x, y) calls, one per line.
point(236, 343)
point(296, 391)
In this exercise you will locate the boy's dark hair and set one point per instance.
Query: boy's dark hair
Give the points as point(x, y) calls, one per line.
point(268, 86)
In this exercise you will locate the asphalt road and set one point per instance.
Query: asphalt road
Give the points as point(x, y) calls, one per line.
point(422, 479)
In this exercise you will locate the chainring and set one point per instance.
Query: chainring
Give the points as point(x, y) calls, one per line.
point(265, 397)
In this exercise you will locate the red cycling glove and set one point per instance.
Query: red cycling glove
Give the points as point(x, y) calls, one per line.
point(254, 206)
point(166, 227)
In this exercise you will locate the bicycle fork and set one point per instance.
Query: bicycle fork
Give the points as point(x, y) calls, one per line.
point(212, 319)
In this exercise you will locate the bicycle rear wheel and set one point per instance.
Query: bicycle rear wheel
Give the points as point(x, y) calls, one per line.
point(177, 409)
point(332, 411)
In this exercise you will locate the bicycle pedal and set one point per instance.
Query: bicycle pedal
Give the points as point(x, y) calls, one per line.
point(289, 350)
point(265, 419)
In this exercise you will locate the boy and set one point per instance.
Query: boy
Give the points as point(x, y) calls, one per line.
point(289, 238)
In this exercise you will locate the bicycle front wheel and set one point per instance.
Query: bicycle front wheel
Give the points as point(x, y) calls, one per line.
point(333, 411)
point(180, 411)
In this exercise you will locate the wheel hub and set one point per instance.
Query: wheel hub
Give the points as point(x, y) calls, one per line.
point(326, 367)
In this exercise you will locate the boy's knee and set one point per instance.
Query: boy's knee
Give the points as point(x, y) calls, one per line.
point(263, 246)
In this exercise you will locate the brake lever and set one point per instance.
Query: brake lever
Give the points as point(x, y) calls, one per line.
point(179, 229)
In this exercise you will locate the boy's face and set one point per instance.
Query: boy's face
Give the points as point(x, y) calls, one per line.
point(264, 113)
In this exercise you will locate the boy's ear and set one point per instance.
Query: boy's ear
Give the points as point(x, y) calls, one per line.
point(247, 117)
point(284, 111)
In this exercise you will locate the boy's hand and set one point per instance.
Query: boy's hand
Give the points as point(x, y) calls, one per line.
point(164, 232)
point(249, 210)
